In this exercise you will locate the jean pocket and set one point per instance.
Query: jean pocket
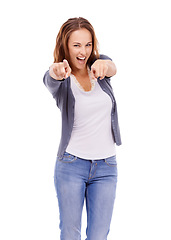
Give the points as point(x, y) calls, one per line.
point(68, 158)
point(111, 161)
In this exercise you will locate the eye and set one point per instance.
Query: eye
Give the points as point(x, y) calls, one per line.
point(88, 45)
point(76, 45)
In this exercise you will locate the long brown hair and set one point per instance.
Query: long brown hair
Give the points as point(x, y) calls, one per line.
point(61, 51)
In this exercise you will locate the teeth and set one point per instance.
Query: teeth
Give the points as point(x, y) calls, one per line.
point(81, 58)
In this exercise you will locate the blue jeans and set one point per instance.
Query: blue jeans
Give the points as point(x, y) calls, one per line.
point(77, 179)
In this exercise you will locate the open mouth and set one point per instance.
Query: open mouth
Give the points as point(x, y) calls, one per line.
point(81, 60)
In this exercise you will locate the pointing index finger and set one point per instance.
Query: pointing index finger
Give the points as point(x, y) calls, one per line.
point(67, 68)
point(66, 64)
point(92, 73)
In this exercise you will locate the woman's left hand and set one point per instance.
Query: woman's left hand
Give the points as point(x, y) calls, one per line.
point(99, 69)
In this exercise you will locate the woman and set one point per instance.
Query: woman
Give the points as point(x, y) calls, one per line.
point(86, 168)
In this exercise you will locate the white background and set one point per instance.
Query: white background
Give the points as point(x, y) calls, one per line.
point(136, 35)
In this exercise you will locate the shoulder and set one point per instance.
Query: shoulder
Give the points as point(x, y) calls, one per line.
point(105, 57)
point(101, 56)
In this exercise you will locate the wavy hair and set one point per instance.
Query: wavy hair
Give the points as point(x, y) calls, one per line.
point(61, 51)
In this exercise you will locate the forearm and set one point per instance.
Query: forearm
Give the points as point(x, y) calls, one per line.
point(51, 83)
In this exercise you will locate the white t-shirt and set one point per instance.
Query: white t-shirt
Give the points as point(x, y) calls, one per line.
point(91, 136)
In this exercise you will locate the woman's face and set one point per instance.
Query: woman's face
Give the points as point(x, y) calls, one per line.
point(80, 48)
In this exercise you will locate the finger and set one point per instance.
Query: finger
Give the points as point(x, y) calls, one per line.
point(66, 64)
point(93, 77)
point(93, 72)
point(56, 73)
point(101, 74)
point(53, 72)
point(105, 71)
point(66, 75)
point(67, 68)
point(61, 69)
point(97, 71)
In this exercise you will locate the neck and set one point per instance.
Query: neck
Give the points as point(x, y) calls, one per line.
point(80, 72)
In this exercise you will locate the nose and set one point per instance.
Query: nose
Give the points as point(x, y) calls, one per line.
point(83, 50)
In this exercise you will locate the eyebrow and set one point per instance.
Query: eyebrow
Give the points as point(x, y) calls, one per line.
point(80, 43)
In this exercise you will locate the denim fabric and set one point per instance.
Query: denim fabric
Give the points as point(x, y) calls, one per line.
point(95, 181)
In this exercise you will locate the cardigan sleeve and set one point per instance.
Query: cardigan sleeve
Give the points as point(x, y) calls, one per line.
point(104, 57)
point(52, 84)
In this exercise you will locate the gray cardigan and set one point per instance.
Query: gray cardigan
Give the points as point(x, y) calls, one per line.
point(62, 93)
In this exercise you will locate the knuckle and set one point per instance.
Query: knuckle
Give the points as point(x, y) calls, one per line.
point(54, 70)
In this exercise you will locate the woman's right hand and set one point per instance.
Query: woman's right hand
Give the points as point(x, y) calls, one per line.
point(60, 70)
